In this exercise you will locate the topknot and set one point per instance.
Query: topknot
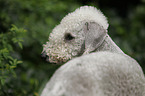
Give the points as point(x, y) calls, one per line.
point(86, 13)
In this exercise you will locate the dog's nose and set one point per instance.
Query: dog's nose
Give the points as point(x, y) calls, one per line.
point(44, 56)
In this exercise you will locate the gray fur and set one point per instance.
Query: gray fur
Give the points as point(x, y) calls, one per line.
point(97, 74)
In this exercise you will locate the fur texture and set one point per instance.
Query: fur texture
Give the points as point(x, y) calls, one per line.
point(88, 28)
point(105, 73)
point(98, 74)
point(85, 14)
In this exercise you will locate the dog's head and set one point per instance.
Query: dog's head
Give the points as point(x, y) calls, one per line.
point(80, 32)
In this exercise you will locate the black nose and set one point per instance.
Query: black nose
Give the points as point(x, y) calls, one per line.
point(44, 56)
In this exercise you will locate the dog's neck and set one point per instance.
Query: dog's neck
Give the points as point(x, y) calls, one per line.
point(109, 45)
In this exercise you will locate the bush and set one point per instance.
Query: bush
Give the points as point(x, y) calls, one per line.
point(9, 43)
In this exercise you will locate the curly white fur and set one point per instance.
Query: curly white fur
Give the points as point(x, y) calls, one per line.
point(87, 25)
point(98, 74)
point(85, 13)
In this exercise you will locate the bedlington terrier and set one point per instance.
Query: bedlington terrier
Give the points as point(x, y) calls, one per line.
point(80, 32)
point(97, 74)
point(103, 73)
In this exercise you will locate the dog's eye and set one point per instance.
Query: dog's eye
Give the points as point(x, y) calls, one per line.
point(68, 36)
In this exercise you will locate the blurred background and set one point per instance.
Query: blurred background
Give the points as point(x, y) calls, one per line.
point(25, 26)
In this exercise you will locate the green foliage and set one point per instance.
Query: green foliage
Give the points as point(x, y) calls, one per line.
point(8, 42)
point(39, 17)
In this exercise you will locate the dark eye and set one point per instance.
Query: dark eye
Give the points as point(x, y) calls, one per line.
point(68, 36)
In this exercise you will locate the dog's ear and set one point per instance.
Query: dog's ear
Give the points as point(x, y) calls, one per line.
point(94, 36)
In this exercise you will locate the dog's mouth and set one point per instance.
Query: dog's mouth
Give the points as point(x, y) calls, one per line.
point(55, 59)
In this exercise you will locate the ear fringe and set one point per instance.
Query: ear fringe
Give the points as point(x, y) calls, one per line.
point(86, 13)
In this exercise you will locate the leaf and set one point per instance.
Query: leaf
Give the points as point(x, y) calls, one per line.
point(20, 45)
point(11, 62)
point(15, 40)
point(9, 57)
point(12, 67)
point(14, 61)
point(18, 62)
point(7, 66)
point(5, 50)
point(2, 81)
point(13, 28)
